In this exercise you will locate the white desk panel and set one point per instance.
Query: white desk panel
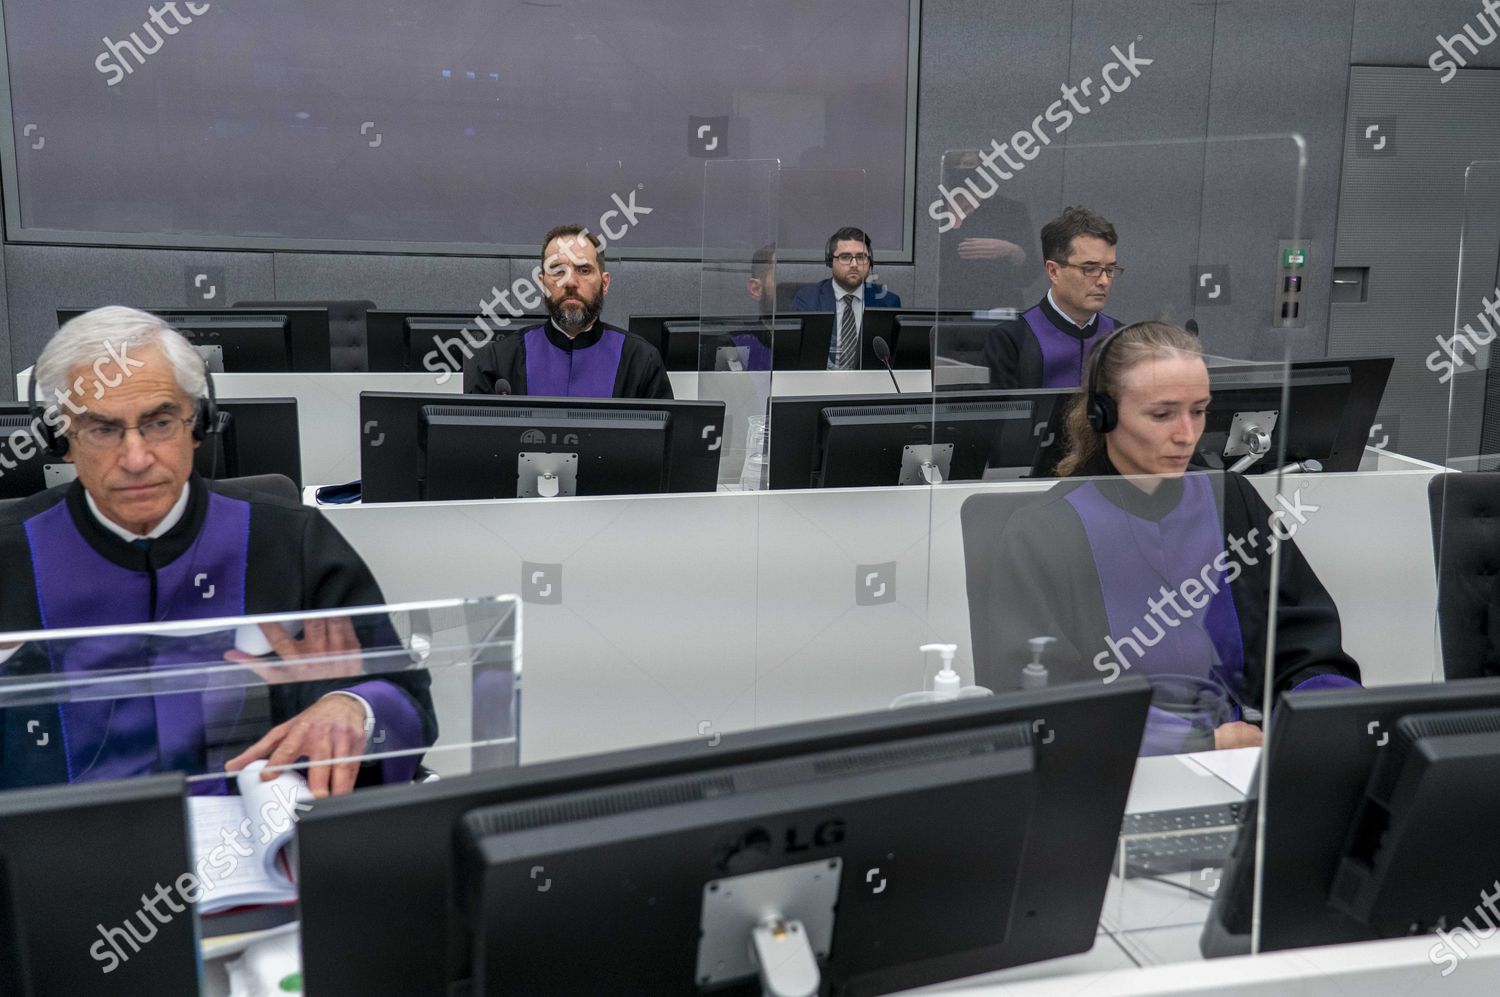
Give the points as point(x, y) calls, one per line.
point(683, 613)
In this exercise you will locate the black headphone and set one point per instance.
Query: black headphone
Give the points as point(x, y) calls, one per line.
point(848, 233)
point(1102, 412)
point(56, 444)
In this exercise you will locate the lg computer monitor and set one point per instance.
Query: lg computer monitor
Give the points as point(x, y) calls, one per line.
point(1380, 817)
point(839, 795)
point(394, 465)
point(249, 340)
point(794, 340)
point(910, 331)
point(840, 441)
point(1332, 404)
point(433, 341)
point(256, 436)
point(75, 862)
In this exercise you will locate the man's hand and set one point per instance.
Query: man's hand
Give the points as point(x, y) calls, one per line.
point(1237, 734)
point(330, 645)
point(991, 249)
point(333, 727)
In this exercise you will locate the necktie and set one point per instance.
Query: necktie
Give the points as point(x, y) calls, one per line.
point(848, 353)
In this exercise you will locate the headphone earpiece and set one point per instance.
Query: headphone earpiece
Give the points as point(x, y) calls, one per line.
point(208, 409)
point(53, 442)
point(1102, 412)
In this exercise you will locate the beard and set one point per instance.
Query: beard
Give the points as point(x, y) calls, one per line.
point(573, 316)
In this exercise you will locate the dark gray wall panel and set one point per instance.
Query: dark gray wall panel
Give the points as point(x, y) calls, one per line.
point(1401, 216)
point(1403, 33)
point(653, 288)
point(443, 283)
point(987, 69)
point(7, 368)
point(41, 279)
point(1138, 159)
point(1279, 66)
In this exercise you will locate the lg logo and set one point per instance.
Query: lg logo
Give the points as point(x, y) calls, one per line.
point(537, 438)
point(758, 846)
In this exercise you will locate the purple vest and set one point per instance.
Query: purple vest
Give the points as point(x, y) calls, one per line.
point(117, 736)
point(585, 373)
point(1062, 360)
point(755, 354)
point(1136, 558)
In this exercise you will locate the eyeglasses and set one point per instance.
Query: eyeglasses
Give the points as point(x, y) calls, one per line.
point(848, 258)
point(161, 429)
point(1093, 270)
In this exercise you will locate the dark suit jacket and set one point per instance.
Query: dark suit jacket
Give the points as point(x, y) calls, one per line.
point(819, 297)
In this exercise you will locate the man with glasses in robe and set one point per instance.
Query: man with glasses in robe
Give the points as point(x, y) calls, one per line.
point(1048, 346)
point(140, 537)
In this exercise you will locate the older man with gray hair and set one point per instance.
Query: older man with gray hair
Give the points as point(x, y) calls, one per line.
point(130, 542)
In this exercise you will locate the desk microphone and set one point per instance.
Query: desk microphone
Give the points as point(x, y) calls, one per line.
point(883, 354)
point(502, 387)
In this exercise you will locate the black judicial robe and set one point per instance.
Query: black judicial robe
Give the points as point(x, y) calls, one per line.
point(602, 362)
point(1047, 579)
point(1042, 348)
point(232, 554)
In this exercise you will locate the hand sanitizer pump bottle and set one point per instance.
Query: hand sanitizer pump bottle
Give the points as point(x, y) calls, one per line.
point(947, 684)
point(1034, 675)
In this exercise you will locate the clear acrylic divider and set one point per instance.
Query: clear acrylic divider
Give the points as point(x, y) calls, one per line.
point(732, 338)
point(1462, 367)
point(1087, 556)
point(365, 695)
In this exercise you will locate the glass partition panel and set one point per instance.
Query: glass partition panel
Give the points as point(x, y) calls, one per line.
point(1129, 531)
point(1463, 366)
point(364, 695)
point(730, 343)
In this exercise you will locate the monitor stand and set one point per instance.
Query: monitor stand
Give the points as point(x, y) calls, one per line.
point(773, 925)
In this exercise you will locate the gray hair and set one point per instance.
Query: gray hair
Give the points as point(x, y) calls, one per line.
point(108, 332)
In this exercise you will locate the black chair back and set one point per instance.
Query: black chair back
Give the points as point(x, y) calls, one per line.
point(982, 518)
point(1465, 511)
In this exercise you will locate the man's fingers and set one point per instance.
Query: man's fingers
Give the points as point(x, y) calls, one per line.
point(283, 643)
point(341, 634)
point(257, 750)
point(320, 748)
point(314, 637)
point(289, 750)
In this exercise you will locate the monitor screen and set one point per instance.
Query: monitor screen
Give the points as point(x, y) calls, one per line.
point(75, 862)
point(369, 859)
point(1332, 406)
point(478, 452)
point(871, 440)
point(1379, 820)
point(391, 456)
point(249, 340)
point(433, 341)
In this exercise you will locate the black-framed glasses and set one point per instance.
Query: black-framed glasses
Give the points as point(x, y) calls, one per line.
point(848, 258)
point(1093, 270)
point(158, 429)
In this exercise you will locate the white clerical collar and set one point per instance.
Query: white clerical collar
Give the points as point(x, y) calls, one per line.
point(173, 516)
point(1053, 302)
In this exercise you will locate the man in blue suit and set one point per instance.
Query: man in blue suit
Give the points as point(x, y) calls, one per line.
point(846, 294)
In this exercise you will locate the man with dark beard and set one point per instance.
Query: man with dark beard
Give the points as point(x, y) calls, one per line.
point(575, 354)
